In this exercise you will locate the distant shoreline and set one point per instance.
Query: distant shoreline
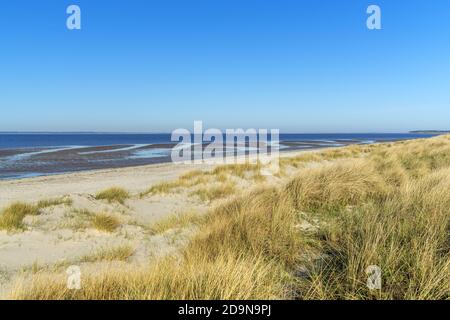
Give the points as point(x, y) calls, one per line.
point(430, 132)
point(26, 156)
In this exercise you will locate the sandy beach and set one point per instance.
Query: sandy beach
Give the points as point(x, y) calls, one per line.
point(135, 179)
point(49, 238)
point(141, 224)
point(60, 234)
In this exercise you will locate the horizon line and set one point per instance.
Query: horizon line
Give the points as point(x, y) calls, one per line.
point(164, 132)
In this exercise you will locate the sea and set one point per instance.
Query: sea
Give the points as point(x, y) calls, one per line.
point(24, 155)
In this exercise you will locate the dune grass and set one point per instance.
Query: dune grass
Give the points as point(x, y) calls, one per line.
point(53, 202)
point(196, 178)
point(175, 221)
point(238, 169)
point(391, 210)
point(167, 279)
point(214, 192)
point(105, 222)
point(119, 253)
point(385, 205)
point(192, 175)
point(114, 194)
point(82, 219)
point(239, 253)
point(406, 235)
point(161, 188)
point(335, 186)
point(12, 217)
point(187, 180)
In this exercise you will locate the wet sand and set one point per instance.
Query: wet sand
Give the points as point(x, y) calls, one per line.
point(34, 162)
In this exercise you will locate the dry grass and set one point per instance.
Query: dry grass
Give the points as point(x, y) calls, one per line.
point(214, 192)
point(237, 254)
point(82, 219)
point(335, 186)
point(175, 221)
point(398, 219)
point(226, 278)
point(192, 175)
point(105, 222)
point(161, 188)
point(406, 236)
point(239, 169)
point(187, 180)
point(119, 253)
point(385, 205)
point(259, 224)
point(54, 202)
point(198, 177)
point(113, 195)
point(12, 217)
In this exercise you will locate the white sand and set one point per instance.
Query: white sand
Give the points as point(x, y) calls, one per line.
point(134, 179)
point(54, 237)
point(50, 238)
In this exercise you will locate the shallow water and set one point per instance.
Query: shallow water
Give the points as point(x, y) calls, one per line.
point(29, 155)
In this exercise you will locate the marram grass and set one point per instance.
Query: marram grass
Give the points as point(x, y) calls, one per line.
point(385, 205)
point(114, 194)
point(105, 222)
point(11, 218)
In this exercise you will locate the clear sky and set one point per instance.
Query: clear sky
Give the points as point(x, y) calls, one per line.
point(156, 65)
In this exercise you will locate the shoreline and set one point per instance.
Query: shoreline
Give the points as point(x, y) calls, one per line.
point(134, 178)
point(64, 220)
point(79, 154)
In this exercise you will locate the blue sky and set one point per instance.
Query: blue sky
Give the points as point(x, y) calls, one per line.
point(156, 65)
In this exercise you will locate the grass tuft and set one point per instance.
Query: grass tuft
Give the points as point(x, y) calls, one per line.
point(210, 193)
point(228, 277)
point(239, 170)
point(12, 217)
point(175, 221)
point(161, 188)
point(113, 195)
point(105, 222)
point(54, 202)
point(120, 253)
